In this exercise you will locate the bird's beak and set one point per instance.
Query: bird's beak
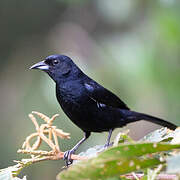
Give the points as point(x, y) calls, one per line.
point(40, 65)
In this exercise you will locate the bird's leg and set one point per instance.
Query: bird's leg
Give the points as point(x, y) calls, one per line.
point(67, 154)
point(108, 139)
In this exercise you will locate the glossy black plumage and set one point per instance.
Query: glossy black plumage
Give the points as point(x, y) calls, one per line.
point(89, 105)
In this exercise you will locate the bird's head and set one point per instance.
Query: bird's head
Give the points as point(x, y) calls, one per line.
point(57, 66)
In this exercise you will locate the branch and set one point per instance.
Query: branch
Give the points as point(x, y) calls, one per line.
point(47, 133)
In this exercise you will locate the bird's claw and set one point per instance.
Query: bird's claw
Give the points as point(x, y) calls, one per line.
point(67, 157)
point(108, 145)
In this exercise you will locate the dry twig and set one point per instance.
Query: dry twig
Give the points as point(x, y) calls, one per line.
point(47, 133)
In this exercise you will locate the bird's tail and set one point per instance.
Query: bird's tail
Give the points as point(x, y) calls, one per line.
point(133, 116)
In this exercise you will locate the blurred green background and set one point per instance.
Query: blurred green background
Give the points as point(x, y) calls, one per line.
point(132, 47)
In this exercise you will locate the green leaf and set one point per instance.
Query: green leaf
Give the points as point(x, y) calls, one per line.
point(122, 137)
point(102, 169)
point(117, 161)
point(173, 165)
point(127, 150)
point(158, 135)
point(7, 174)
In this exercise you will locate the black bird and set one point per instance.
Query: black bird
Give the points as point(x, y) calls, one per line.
point(89, 105)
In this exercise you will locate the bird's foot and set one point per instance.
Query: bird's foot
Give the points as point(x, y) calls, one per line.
point(107, 145)
point(67, 157)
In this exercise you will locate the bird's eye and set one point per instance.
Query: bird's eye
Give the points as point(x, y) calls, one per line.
point(55, 62)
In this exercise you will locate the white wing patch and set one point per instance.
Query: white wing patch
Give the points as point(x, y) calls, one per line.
point(89, 87)
point(99, 105)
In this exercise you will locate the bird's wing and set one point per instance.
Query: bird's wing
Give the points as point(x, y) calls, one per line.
point(103, 96)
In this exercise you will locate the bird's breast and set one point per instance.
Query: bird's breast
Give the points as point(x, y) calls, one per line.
point(72, 99)
point(85, 112)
